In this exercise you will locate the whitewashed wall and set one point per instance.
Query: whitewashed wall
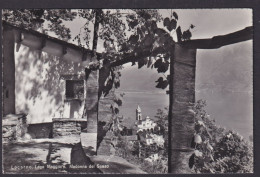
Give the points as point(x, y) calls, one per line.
point(39, 90)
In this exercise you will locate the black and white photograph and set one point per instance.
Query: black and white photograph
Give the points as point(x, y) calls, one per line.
point(127, 91)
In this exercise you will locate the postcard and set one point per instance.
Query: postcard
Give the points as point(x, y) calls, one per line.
point(127, 91)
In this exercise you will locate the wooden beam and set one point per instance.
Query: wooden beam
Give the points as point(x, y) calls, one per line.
point(219, 41)
point(211, 43)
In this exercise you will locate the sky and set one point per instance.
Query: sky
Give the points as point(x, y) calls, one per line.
point(223, 76)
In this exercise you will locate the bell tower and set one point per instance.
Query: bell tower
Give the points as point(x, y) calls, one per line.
point(138, 113)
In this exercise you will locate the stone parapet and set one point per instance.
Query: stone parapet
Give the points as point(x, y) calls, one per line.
point(14, 127)
point(67, 126)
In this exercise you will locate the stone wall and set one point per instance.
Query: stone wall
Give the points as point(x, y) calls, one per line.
point(14, 127)
point(9, 133)
point(68, 127)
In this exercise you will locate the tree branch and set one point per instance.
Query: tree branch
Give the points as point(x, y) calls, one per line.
point(212, 43)
point(219, 41)
point(134, 57)
point(96, 27)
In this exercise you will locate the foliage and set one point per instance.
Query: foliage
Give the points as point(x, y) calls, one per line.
point(219, 151)
point(162, 117)
point(136, 152)
point(35, 18)
point(131, 154)
point(128, 36)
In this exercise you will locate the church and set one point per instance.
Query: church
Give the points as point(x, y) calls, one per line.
point(144, 124)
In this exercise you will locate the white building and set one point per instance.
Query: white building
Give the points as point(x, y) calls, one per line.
point(144, 124)
point(157, 139)
point(138, 113)
point(149, 140)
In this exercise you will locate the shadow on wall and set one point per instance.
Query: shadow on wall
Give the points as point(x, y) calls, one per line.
point(39, 90)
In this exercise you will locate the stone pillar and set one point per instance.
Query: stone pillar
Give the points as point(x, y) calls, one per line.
point(105, 115)
point(8, 71)
point(105, 145)
point(182, 98)
point(21, 127)
point(89, 135)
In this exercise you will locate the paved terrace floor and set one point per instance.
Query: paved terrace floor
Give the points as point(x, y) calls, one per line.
point(59, 156)
point(115, 164)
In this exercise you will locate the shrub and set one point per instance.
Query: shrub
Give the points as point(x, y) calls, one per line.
point(220, 151)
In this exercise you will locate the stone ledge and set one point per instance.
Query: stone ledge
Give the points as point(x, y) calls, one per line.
point(12, 119)
point(68, 120)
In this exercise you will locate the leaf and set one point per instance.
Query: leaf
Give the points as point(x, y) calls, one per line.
point(160, 79)
point(172, 25)
point(191, 160)
point(175, 15)
point(162, 67)
point(40, 21)
point(144, 14)
point(118, 101)
point(117, 84)
point(186, 35)
point(162, 83)
point(116, 109)
point(123, 47)
point(140, 33)
point(154, 25)
point(157, 63)
point(38, 12)
point(142, 62)
point(131, 16)
point(148, 40)
point(108, 87)
point(133, 39)
point(192, 26)
point(166, 22)
point(133, 24)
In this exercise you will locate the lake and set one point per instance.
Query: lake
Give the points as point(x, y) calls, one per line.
point(232, 110)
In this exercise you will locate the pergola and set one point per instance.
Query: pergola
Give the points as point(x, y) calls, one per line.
point(182, 80)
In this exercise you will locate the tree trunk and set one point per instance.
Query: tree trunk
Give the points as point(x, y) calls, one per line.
point(181, 117)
